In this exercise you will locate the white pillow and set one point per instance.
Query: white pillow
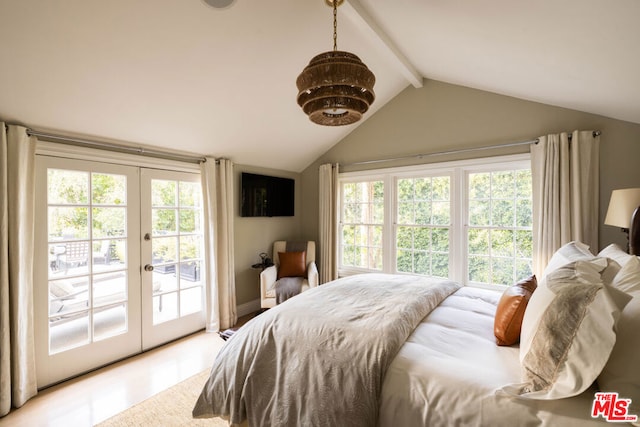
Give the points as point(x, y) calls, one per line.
point(609, 273)
point(574, 333)
point(628, 278)
point(622, 371)
point(585, 271)
point(571, 252)
point(614, 252)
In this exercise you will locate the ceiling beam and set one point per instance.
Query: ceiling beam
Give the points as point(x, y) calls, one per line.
point(358, 14)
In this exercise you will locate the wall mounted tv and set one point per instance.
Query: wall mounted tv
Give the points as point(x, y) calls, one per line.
point(264, 195)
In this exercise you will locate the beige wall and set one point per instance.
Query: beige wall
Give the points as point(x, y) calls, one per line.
point(442, 116)
point(257, 234)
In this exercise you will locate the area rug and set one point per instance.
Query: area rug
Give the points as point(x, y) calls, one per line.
point(168, 408)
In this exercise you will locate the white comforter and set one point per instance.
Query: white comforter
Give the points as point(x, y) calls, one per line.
point(448, 371)
point(336, 355)
point(319, 359)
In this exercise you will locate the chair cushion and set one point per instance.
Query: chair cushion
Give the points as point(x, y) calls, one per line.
point(292, 264)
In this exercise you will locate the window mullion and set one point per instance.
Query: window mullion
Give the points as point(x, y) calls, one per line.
point(458, 252)
point(389, 227)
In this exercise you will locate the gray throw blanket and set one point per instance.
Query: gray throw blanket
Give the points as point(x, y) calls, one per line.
point(296, 247)
point(319, 359)
point(288, 287)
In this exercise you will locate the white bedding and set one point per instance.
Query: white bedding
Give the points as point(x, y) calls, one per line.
point(311, 358)
point(448, 371)
point(319, 358)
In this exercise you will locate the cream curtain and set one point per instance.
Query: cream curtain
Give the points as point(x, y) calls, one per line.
point(328, 193)
point(17, 189)
point(217, 189)
point(565, 172)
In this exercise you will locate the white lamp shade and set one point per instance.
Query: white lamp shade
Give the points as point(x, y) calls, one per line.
point(621, 207)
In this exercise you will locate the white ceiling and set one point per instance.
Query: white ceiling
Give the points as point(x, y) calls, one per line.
point(177, 74)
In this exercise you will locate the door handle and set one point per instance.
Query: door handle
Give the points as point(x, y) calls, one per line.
point(148, 267)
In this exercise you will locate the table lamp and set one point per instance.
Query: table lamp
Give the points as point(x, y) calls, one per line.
point(623, 213)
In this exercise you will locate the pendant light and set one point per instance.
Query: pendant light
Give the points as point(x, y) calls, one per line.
point(336, 88)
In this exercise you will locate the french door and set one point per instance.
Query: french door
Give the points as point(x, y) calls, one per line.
point(101, 231)
point(172, 245)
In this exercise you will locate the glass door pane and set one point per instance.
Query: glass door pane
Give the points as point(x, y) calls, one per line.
point(87, 245)
point(173, 247)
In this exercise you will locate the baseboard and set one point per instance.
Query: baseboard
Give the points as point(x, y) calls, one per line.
point(248, 307)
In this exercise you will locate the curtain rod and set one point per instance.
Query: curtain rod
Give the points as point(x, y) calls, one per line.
point(116, 147)
point(457, 151)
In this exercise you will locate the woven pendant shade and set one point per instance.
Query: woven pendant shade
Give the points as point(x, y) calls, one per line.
point(335, 89)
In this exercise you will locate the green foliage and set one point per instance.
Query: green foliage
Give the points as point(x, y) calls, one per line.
point(422, 262)
point(189, 220)
point(176, 210)
point(502, 271)
point(163, 193)
point(500, 240)
point(479, 269)
point(108, 189)
point(163, 221)
point(502, 243)
point(108, 222)
point(164, 249)
point(190, 247)
point(404, 261)
point(361, 228)
point(440, 264)
point(479, 242)
point(68, 223)
point(405, 213)
point(404, 237)
point(423, 205)
point(440, 239)
point(67, 187)
point(189, 194)
point(499, 225)
point(479, 212)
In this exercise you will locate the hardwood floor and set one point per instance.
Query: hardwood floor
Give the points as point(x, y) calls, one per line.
point(96, 396)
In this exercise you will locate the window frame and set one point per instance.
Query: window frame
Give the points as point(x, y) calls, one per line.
point(357, 178)
point(458, 171)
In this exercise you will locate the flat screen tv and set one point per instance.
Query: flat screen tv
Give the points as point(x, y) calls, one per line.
point(264, 195)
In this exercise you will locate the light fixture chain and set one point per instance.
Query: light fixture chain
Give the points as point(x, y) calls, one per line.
point(335, 25)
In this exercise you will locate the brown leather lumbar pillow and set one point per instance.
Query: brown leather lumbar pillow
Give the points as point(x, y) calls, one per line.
point(510, 311)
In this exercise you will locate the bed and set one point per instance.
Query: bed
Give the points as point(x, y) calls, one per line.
point(399, 350)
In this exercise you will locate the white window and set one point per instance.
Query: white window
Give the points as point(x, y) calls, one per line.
point(422, 226)
point(499, 232)
point(470, 221)
point(362, 224)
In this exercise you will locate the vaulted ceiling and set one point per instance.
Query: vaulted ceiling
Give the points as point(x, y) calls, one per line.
point(179, 74)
